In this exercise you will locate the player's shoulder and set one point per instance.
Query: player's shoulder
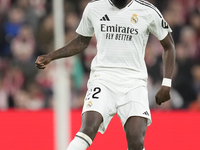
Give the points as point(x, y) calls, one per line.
point(144, 3)
point(92, 1)
point(97, 3)
point(153, 10)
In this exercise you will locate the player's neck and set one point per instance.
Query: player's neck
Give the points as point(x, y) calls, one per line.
point(120, 3)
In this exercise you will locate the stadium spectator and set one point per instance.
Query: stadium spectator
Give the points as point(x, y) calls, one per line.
point(23, 45)
point(30, 15)
point(11, 28)
point(45, 35)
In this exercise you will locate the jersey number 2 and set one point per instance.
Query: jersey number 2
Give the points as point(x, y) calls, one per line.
point(96, 90)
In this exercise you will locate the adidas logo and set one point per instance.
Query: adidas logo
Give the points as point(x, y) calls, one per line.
point(105, 18)
point(146, 113)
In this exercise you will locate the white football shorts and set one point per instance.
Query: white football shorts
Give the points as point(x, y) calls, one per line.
point(109, 99)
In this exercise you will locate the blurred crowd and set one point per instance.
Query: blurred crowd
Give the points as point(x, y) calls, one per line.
point(27, 30)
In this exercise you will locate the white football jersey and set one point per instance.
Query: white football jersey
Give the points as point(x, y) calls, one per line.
point(122, 36)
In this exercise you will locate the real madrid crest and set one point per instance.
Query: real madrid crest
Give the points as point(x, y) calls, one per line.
point(134, 18)
point(89, 104)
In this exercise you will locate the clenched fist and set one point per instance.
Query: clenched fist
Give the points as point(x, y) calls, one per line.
point(42, 61)
point(163, 95)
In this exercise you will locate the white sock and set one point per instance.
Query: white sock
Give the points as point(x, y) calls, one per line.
point(80, 142)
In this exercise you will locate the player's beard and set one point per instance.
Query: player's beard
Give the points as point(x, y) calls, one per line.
point(120, 3)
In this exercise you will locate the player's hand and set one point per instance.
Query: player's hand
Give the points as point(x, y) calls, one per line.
point(163, 95)
point(42, 61)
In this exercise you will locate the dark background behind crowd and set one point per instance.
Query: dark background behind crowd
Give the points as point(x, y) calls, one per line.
point(26, 31)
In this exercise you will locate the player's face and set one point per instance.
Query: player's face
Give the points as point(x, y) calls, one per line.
point(120, 3)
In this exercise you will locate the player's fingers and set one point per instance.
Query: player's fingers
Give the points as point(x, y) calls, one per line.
point(40, 60)
point(157, 101)
point(41, 66)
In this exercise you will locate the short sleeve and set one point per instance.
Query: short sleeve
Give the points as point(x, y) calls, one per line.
point(85, 27)
point(158, 26)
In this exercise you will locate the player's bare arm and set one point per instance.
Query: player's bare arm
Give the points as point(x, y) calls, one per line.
point(77, 45)
point(168, 66)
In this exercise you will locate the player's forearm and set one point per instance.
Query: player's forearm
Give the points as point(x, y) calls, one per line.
point(168, 56)
point(168, 62)
point(74, 47)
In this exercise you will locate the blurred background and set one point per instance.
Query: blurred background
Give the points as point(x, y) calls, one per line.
point(27, 30)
